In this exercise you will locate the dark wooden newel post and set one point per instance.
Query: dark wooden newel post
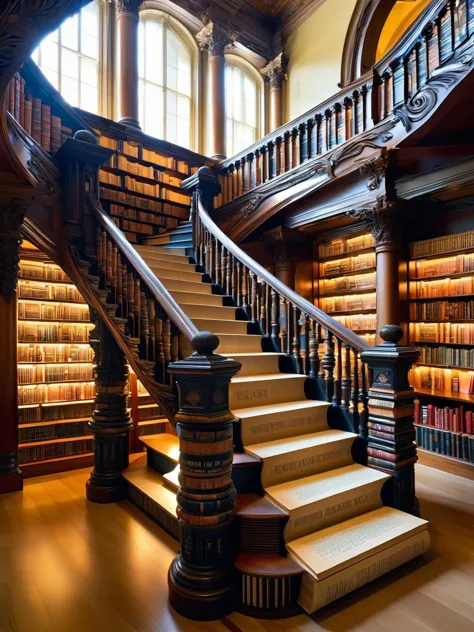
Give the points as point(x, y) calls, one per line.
point(110, 423)
point(391, 434)
point(12, 214)
point(202, 583)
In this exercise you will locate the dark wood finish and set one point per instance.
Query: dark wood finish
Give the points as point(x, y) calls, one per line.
point(201, 578)
point(127, 27)
point(54, 466)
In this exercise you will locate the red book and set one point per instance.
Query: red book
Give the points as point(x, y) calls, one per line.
point(450, 419)
point(469, 422)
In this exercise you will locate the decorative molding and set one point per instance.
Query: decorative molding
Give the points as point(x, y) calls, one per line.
point(127, 7)
point(275, 71)
point(286, 246)
point(215, 39)
point(382, 221)
point(375, 170)
point(12, 214)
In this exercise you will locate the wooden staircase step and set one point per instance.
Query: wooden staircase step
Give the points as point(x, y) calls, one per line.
point(321, 500)
point(260, 390)
point(165, 255)
point(297, 457)
point(162, 451)
point(197, 298)
point(186, 286)
point(174, 275)
point(261, 424)
point(228, 343)
point(171, 479)
point(343, 557)
point(263, 363)
point(221, 326)
point(209, 311)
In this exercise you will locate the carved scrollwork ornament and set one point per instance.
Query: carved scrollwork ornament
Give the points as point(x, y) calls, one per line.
point(382, 221)
point(275, 71)
point(12, 214)
point(214, 39)
point(375, 170)
point(249, 207)
point(129, 7)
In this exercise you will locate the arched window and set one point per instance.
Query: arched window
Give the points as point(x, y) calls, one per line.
point(165, 73)
point(242, 107)
point(69, 58)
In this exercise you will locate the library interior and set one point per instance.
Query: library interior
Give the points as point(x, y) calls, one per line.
point(236, 315)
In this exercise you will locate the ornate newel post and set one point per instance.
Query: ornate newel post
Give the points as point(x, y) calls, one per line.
point(127, 27)
point(110, 423)
point(274, 72)
point(391, 434)
point(214, 39)
point(12, 214)
point(202, 584)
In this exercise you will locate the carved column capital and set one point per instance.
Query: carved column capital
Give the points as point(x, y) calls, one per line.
point(214, 38)
point(12, 214)
point(375, 170)
point(286, 247)
point(128, 7)
point(383, 222)
point(275, 71)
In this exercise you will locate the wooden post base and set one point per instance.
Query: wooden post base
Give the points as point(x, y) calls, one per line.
point(106, 494)
point(208, 604)
point(11, 478)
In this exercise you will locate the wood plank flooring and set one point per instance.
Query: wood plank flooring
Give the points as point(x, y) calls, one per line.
point(67, 565)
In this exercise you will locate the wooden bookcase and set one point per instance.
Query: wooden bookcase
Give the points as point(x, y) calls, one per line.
point(441, 327)
point(347, 281)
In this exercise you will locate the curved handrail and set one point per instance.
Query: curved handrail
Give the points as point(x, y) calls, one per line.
point(345, 334)
point(157, 289)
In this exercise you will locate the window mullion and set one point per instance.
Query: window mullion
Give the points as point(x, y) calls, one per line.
point(164, 45)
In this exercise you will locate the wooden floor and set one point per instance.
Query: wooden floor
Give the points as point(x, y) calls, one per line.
point(70, 566)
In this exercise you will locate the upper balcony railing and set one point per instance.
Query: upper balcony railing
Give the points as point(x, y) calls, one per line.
point(440, 30)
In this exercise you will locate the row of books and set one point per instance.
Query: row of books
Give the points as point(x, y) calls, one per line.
point(36, 117)
point(440, 267)
point(349, 264)
point(454, 333)
point(54, 353)
point(37, 291)
point(54, 431)
point(345, 246)
point(147, 155)
point(443, 417)
point(155, 190)
point(54, 373)
point(441, 245)
point(442, 287)
point(55, 412)
point(41, 393)
point(145, 171)
point(448, 356)
point(340, 284)
point(134, 227)
point(453, 444)
point(442, 310)
point(357, 322)
point(52, 311)
point(143, 203)
point(140, 216)
point(42, 271)
point(348, 303)
point(33, 454)
point(437, 379)
point(152, 412)
point(54, 332)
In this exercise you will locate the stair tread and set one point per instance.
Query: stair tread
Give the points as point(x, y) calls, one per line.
point(150, 483)
point(163, 443)
point(267, 565)
point(329, 550)
point(171, 480)
point(310, 489)
point(270, 409)
point(267, 376)
point(293, 444)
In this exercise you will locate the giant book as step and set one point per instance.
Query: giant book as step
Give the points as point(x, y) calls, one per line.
point(341, 558)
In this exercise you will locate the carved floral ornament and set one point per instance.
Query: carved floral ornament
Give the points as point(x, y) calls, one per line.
point(130, 7)
point(375, 170)
point(382, 221)
point(214, 39)
point(275, 71)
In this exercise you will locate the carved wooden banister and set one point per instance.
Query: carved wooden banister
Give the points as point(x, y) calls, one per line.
point(318, 345)
point(405, 85)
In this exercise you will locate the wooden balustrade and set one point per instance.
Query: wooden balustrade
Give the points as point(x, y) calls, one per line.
point(440, 30)
point(317, 345)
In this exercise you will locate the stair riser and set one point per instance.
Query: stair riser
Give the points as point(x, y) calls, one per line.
point(307, 461)
point(175, 252)
point(165, 255)
point(187, 286)
point(180, 246)
point(205, 311)
point(209, 300)
point(167, 265)
point(174, 275)
point(228, 344)
point(330, 511)
point(154, 511)
point(171, 237)
point(276, 426)
point(265, 392)
point(264, 364)
point(221, 326)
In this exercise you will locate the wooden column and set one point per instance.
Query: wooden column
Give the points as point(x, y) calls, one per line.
point(391, 414)
point(12, 214)
point(127, 28)
point(111, 420)
point(286, 247)
point(274, 72)
point(202, 583)
point(214, 39)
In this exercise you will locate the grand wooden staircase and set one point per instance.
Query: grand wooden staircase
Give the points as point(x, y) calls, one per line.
point(300, 485)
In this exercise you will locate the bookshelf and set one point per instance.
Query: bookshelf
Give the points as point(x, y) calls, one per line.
point(55, 369)
point(347, 282)
point(441, 327)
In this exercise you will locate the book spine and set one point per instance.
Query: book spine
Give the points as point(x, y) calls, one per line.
point(36, 121)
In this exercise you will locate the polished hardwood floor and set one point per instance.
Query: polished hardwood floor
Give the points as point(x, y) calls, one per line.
point(67, 565)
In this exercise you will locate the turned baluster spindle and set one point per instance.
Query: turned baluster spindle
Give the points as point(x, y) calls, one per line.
point(137, 308)
point(258, 167)
point(278, 156)
point(295, 148)
point(159, 351)
point(347, 119)
point(151, 324)
point(336, 398)
point(329, 362)
point(313, 349)
point(167, 340)
point(244, 175)
point(346, 380)
point(283, 325)
point(287, 151)
point(364, 400)
point(262, 306)
point(311, 138)
point(275, 324)
point(271, 160)
point(264, 157)
point(319, 134)
point(174, 346)
point(131, 301)
point(252, 171)
point(304, 344)
point(303, 154)
point(295, 343)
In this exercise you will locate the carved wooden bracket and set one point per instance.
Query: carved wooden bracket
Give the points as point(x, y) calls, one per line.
point(12, 214)
point(383, 222)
